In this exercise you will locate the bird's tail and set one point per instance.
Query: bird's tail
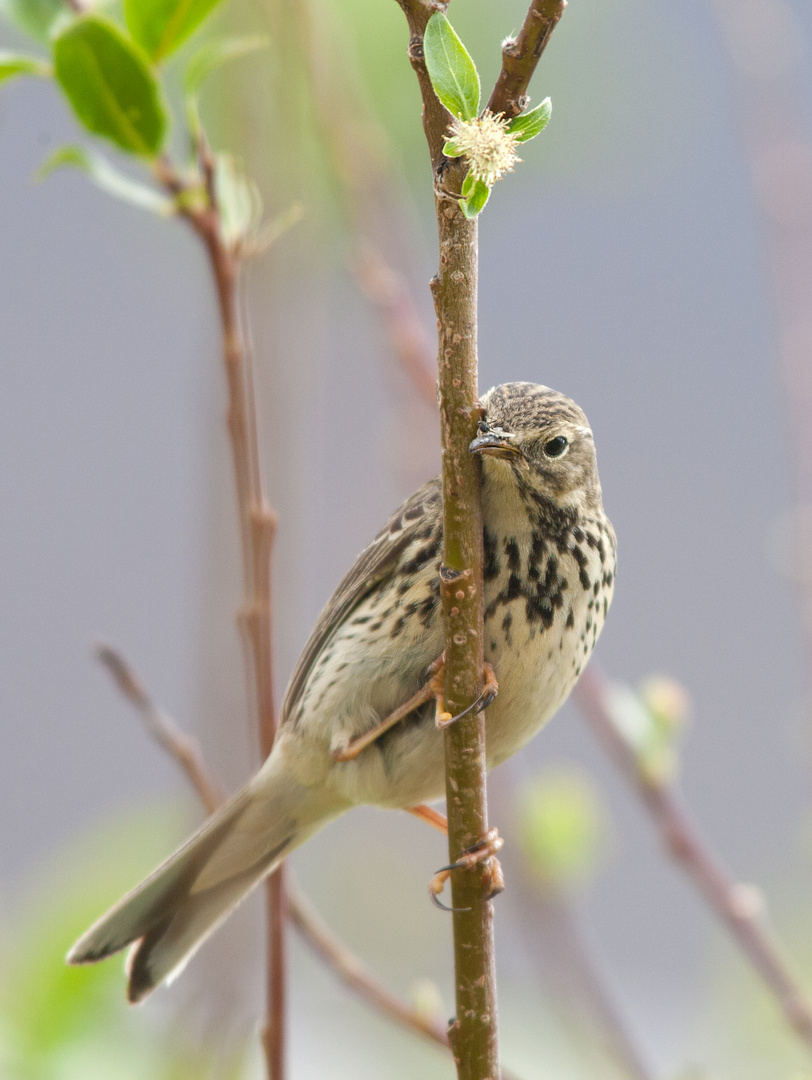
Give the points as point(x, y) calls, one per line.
point(175, 909)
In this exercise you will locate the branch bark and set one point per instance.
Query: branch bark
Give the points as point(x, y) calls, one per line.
point(738, 906)
point(473, 1032)
point(257, 528)
point(521, 54)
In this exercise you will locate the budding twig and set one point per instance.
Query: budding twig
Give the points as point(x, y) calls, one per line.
point(738, 906)
point(473, 1033)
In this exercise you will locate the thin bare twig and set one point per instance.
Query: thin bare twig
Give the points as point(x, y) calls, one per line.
point(390, 293)
point(163, 729)
point(521, 54)
point(738, 906)
point(353, 972)
point(197, 202)
point(575, 977)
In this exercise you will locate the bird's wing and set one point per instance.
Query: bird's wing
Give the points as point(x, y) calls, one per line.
point(374, 565)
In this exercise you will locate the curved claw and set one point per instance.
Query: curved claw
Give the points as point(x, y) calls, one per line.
point(435, 899)
point(483, 851)
point(489, 692)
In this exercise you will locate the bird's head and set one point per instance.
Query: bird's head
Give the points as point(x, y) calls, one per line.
point(541, 440)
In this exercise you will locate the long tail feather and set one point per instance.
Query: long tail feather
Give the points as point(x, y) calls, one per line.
point(175, 909)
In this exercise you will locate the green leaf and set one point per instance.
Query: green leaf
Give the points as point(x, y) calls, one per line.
point(474, 203)
point(111, 86)
point(530, 124)
point(160, 26)
point(451, 70)
point(452, 148)
point(560, 828)
point(213, 55)
point(238, 198)
point(35, 17)
point(12, 64)
point(107, 177)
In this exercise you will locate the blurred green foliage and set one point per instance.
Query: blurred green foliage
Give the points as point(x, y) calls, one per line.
point(68, 1023)
point(561, 828)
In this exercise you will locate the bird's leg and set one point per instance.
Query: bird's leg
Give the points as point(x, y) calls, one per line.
point(483, 851)
point(351, 750)
point(432, 688)
point(430, 816)
point(489, 691)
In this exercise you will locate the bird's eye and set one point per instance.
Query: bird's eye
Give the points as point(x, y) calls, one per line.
point(556, 447)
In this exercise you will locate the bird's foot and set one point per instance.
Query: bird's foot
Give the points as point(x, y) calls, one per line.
point(484, 851)
point(442, 717)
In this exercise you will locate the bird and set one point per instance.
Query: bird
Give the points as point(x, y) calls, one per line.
point(549, 571)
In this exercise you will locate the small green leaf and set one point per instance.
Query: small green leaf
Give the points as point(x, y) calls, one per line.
point(110, 85)
point(12, 64)
point(35, 17)
point(530, 124)
point(107, 177)
point(238, 198)
point(474, 203)
point(451, 70)
point(160, 26)
point(452, 148)
point(213, 55)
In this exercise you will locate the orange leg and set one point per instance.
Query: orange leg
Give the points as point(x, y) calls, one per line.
point(351, 751)
point(433, 688)
point(430, 816)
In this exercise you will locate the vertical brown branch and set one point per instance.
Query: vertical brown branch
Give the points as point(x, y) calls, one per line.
point(473, 1033)
point(257, 527)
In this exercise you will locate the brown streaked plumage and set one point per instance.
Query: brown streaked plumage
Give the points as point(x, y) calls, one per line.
point(549, 575)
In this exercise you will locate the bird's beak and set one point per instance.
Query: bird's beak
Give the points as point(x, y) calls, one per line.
point(494, 446)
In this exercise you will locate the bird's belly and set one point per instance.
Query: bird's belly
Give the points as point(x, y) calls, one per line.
point(536, 674)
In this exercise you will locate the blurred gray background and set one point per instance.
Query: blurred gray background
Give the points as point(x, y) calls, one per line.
point(623, 264)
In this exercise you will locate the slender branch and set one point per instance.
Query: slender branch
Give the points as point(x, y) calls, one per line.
point(388, 290)
point(770, 107)
point(353, 972)
point(163, 729)
point(197, 203)
point(371, 191)
point(738, 906)
point(521, 54)
point(574, 974)
point(473, 1032)
point(435, 116)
